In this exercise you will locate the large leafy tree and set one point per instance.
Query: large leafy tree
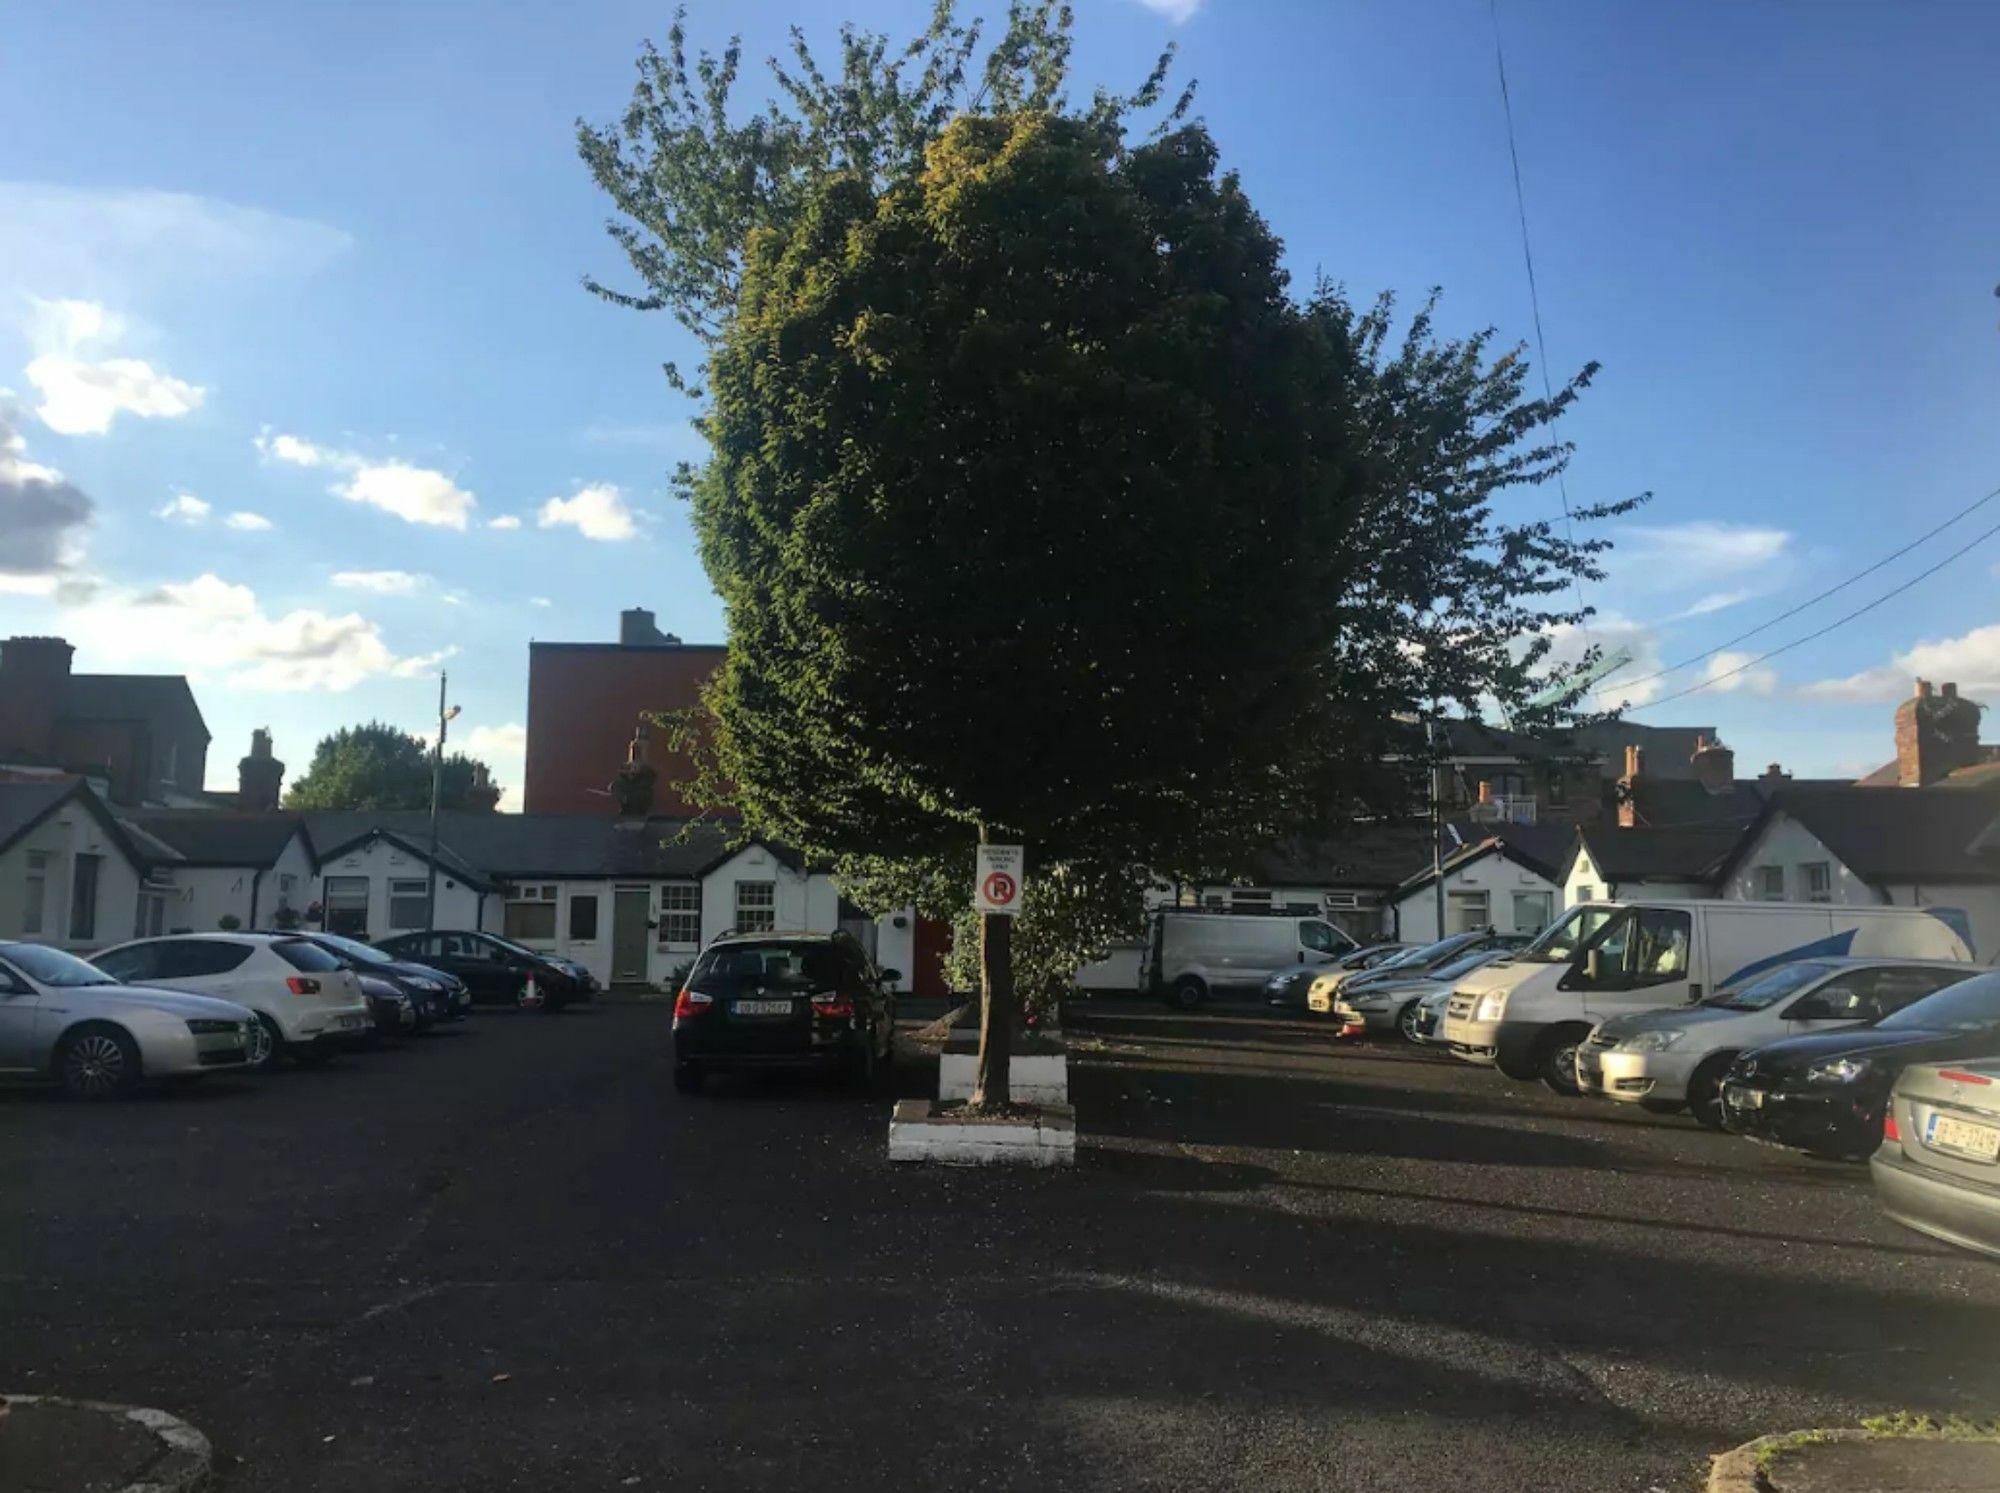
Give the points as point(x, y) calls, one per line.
point(376, 766)
point(1041, 509)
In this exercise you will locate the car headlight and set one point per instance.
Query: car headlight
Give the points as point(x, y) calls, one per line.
point(208, 1028)
point(1839, 1070)
point(1651, 1041)
point(429, 987)
point(1491, 1007)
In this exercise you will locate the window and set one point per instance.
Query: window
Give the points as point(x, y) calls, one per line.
point(409, 902)
point(680, 912)
point(756, 906)
point(1585, 893)
point(1558, 788)
point(151, 919)
point(196, 958)
point(347, 905)
point(1649, 946)
point(1532, 911)
point(1466, 912)
point(531, 914)
point(83, 898)
point(1770, 883)
point(36, 890)
point(305, 956)
point(583, 917)
point(139, 962)
point(1249, 901)
point(1816, 880)
point(1323, 938)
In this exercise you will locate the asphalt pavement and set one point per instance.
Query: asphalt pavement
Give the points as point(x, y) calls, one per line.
point(512, 1258)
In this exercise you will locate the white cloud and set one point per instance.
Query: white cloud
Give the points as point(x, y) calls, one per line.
point(505, 750)
point(540, 601)
point(418, 495)
point(597, 512)
point(1692, 569)
point(505, 521)
point(217, 630)
point(1971, 661)
point(82, 395)
point(1726, 674)
point(185, 508)
point(1715, 601)
point(381, 582)
point(1176, 11)
point(423, 663)
point(146, 247)
point(245, 522)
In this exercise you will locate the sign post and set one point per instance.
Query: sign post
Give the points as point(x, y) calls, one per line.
point(996, 885)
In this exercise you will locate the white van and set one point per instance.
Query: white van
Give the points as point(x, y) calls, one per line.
point(1190, 955)
point(1528, 1015)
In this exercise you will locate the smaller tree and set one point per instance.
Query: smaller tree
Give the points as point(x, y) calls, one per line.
point(377, 766)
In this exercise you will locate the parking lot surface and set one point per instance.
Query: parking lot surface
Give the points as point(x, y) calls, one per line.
point(511, 1257)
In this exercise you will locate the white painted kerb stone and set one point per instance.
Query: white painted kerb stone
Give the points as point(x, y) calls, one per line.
point(1047, 1139)
point(1030, 1080)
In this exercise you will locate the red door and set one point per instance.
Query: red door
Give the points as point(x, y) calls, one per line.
point(931, 942)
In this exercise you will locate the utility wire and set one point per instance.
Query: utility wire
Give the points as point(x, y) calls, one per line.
point(1812, 601)
point(1534, 291)
point(1841, 621)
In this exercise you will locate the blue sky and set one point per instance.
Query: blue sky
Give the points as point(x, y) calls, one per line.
point(290, 316)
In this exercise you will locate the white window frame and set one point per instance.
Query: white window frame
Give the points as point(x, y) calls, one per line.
point(35, 892)
point(399, 891)
point(680, 914)
point(1770, 883)
point(329, 895)
point(1823, 870)
point(596, 916)
point(756, 906)
point(1544, 900)
point(1585, 892)
point(1455, 904)
point(540, 894)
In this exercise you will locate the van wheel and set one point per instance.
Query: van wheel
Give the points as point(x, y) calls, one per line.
point(1189, 992)
point(1705, 1090)
point(1555, 1058)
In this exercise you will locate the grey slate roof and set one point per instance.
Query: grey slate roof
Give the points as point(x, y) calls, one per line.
point(202, 837)
point(512, 847)
point(1897, 834)
point(1685, 853)
point(24, 805)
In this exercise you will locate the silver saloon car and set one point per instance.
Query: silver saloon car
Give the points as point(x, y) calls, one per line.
point(1676, 1056)
point(1938, 1169)
point(64, 1019)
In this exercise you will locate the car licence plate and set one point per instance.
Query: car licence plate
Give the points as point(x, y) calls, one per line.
point(349, 1023)
point(1980, 1142)
point(1742, 1096)
point(762, 1008)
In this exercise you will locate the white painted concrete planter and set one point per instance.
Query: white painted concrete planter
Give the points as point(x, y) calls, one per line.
point(1046, 1138)
point(1032, 1078)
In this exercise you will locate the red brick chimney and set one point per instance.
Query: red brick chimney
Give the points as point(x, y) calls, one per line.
point(1635, 764)
point(1937, 733)
point(1714, 765)
point(34, 678)
point(259, 776)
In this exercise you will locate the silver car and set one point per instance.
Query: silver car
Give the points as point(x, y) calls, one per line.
point(1938, 1170)
point(1676, 1057)
point(1394, 1004)
point(64, 1019)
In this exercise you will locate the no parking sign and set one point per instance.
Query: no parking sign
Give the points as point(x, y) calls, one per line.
point(996, 884)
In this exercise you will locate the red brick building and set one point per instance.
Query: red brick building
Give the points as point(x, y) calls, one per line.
point(585, 701)
point(143, 734)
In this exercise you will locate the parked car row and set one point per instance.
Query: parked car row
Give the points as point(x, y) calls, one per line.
point(187, 1005)
point(1846, 1033)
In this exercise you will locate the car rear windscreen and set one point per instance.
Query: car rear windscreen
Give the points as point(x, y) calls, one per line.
point(309, 957)
point(771, 966)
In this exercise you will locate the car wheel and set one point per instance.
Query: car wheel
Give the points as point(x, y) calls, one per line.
point(1189, 992)
point(265, 1043)
point(97, 1062)
point(1407, 1019)
point(1555, 1058)
point(530, 997)
point(687, 1078)
point(1704, 1100)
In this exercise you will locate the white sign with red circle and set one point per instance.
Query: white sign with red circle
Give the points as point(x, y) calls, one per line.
point(996, 885)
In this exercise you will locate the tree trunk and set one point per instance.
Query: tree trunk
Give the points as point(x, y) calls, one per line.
point(996, 1011)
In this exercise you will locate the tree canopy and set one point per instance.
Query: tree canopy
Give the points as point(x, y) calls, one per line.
point(377, 766)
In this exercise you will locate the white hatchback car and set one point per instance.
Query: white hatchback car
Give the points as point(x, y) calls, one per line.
point(306, 1001)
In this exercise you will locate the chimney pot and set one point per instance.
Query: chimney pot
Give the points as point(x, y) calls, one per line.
point(1949, 691)
point(1923, 689)
point(1635, 760)
point(1714, 765)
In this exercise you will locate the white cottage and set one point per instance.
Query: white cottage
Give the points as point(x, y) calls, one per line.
point(255, 870)
point(69, 873)
point(1609, 863)
point(1497, 882)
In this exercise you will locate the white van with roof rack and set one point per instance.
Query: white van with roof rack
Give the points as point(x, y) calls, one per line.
point(1528, 1016)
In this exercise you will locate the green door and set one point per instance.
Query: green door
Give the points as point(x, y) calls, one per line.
point(630, 937)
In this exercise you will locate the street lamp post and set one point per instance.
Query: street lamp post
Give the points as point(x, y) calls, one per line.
point(445, 718)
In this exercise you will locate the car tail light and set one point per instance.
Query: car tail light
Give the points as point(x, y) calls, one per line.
point(1891, 1131)
point(300, 985)
point(832, 1004)
point(1958, 1076)
point(691, 1003)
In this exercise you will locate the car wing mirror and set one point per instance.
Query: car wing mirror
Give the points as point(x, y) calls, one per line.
point(891, 976)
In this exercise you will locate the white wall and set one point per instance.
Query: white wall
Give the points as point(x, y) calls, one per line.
point(896, 948)
point(1585, 884)
point(203, 895)
point(596, 954)
point(383, 861)
point(69, 832)
point(806, 903)
point(1498, 877)
point(1786, 843)
point(1585, 874)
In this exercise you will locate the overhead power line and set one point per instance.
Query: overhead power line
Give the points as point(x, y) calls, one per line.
point(1534, 291)
point(1815, 600)
point(1817, 633)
